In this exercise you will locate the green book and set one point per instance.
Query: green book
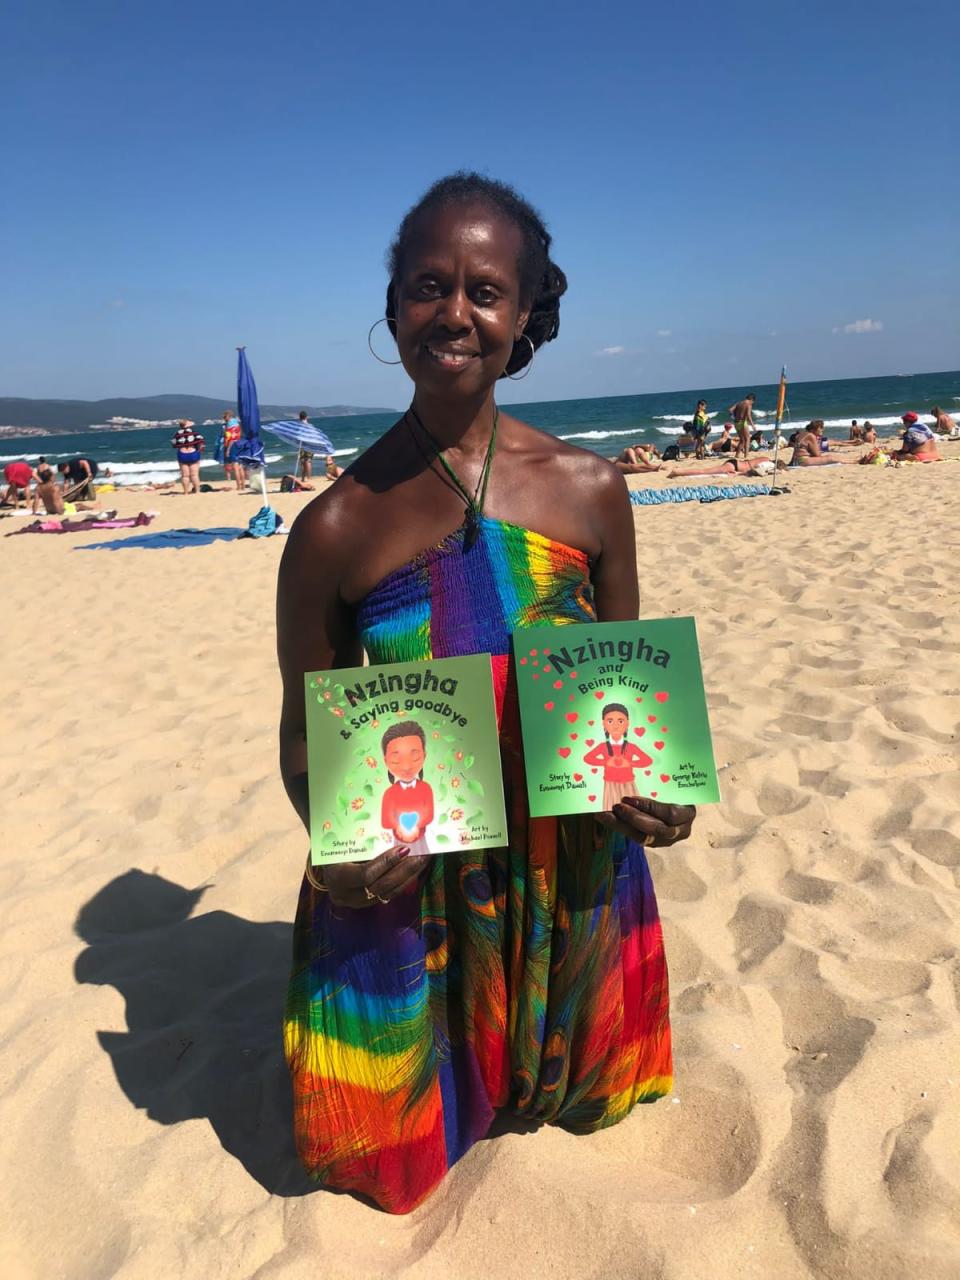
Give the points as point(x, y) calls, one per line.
point(403, 753)
point(611, 709)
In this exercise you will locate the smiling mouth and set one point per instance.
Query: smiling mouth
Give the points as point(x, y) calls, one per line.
point(449, 358)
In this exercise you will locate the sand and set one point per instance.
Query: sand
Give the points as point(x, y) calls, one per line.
point(151, 863)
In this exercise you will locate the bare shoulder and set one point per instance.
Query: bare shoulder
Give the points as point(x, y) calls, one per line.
point(586, 473)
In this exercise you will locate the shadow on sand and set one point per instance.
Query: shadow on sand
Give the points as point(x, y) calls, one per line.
point(204, 1000)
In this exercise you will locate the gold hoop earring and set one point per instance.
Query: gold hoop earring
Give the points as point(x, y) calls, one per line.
point(382, 320)
point(519, 377)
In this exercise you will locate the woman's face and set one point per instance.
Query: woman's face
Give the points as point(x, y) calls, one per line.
point(458, 300)
point(404, 757)
point(615, 723)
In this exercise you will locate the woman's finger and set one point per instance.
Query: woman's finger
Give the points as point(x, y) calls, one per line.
point(671, 815)
point(399, 877)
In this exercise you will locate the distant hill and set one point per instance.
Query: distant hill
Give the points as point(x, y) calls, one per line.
point(80, 415)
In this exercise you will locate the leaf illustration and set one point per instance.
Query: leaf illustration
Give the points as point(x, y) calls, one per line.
point(476, 787)
point(468, 762)
point(474, 818)
point(440, 838)
point(363, 815)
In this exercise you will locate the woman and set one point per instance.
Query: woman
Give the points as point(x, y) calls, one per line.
point(227, 444)
point(636, 459)
point(430, 992)
point(726, 443)
point(189, 446)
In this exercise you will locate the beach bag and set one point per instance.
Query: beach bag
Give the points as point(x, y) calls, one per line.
point(671, 453)
point(263, 524)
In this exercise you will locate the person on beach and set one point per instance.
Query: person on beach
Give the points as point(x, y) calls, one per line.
point(726, 442)
point(189, 446)
point(226, 444)
point(869, 434)
point(78, 477)
point(430, 993)
point(943, 424)
point(304, 456)
point(729, 466)
point(856, 433)
point(47, 491)
point(333, 469)
point(637, 458)
point(742, 415)
point(808, 449)
point(919, 444)
point(18, 476)
point(701, 428)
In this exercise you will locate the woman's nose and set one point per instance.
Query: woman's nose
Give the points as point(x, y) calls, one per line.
point(455, 311)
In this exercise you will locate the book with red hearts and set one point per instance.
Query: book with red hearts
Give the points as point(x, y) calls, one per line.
point(613, 709)
point(403, 753)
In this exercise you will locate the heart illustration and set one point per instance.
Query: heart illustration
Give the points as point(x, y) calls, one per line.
point(578, 777)
point(547, 667)
point(572, 717)
point(571, 698)
point(653, 793)
point(573, 675)
point(546, 652)
point(557, 684)
point(592, 798)
point(523, 662)
point(663, 728)
point(661, 697)
point(574, 737)
point(640, 732)
point(408, 821)
point(646, 773)
point(594, 771)
point(599, 694)
point(658, 746)
point(589, 741)
point(536, 675)
point(652, 719)
point(563, 751)
point(548, 706)
point(664, 777)
point(639, 699)
point(533, 653)
point(536, 663)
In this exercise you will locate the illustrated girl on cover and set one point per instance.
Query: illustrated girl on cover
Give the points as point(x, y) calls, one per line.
point(407, 807)
point(618, 757)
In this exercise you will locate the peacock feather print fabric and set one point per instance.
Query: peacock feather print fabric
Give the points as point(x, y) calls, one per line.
point(530, 978)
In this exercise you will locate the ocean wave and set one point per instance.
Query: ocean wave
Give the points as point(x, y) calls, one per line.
point(603, 435)
point(688, 417)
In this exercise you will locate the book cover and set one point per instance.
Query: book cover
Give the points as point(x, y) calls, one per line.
point(403, 753)
point(611, 709)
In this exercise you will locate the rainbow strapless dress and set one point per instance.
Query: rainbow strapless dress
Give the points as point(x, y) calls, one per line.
point(529, 978)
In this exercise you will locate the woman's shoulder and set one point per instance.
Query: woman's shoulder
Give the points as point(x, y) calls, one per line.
point(574, 464)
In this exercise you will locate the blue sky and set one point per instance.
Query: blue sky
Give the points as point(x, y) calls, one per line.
point(729, 187)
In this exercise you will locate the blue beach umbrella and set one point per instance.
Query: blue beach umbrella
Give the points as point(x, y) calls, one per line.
point(303, 434)
point(251, 452)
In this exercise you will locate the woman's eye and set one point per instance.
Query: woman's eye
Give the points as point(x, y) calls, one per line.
point(428, 289)
point(485, 297)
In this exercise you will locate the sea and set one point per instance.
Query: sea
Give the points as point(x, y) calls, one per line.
point(603, 424)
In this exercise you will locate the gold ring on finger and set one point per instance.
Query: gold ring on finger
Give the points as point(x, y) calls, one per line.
point(368, 893)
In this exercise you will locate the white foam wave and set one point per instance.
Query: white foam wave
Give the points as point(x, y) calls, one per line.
point(603, 435)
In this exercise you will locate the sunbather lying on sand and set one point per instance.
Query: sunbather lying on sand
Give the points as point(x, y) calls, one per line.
point(729, 467)
point(638, 458)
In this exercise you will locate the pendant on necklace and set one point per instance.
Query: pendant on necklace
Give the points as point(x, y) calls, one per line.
point(471, 524)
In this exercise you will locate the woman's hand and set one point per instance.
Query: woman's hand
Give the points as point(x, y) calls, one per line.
point(362, 884)
point(648, 822)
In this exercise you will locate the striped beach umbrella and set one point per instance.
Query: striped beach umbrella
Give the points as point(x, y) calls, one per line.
point(302, 434)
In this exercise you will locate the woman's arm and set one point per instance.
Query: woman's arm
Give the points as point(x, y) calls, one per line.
point(617, 595)
point(316, 630)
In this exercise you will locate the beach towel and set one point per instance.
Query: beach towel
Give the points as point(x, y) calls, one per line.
point(175, 538)
point(56, 525)
point(696, 493)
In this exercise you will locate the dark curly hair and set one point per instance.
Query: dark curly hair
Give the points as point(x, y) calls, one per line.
point(542, 283)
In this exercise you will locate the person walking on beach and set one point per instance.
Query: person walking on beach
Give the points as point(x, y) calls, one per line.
point(78, 477)
point(742, 415)
point(701, 427)
point(304, 456)
point(189, 446)
point(430, 993)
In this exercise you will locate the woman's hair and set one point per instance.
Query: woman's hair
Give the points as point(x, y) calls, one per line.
point(817, 422)
point(613, 706)
point(701, 402)
point(542, 283)
point(405, 729)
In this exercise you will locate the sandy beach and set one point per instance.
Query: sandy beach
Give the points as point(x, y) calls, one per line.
point(151, 864)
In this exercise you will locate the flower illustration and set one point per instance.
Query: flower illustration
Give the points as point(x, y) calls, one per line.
point(454, 782)
point(456, 815)
point(356, 803)
point(328, 826)
point(337, 711)
point(458, 755)
point(370, 762)
point(464, 837)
